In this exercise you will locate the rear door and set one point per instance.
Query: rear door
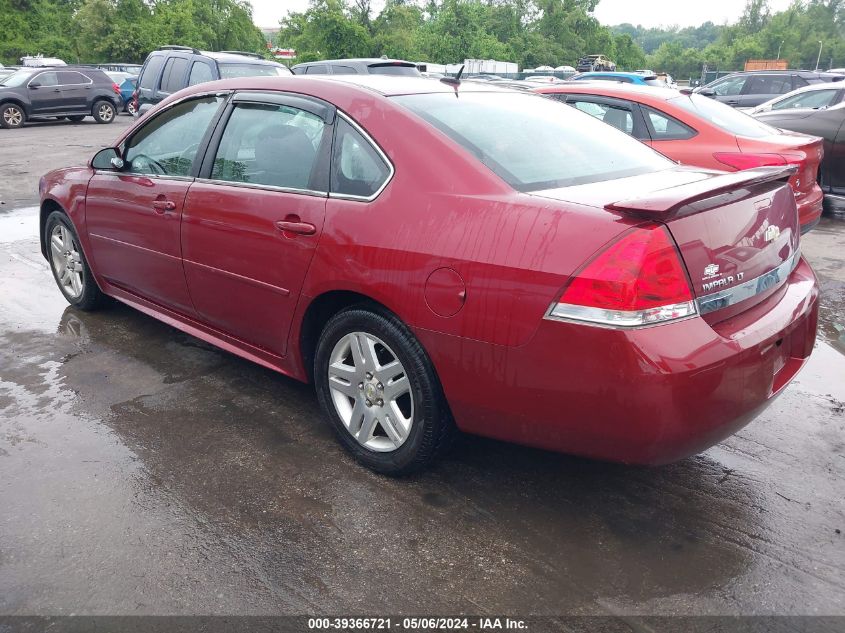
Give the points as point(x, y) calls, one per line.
point(762, 88)
point(133, 215)
point(173, 77)
point(252, 221)
point(621, 114)
point(75, 89)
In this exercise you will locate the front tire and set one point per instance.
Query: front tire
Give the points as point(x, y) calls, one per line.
point(380, 393)
point(12, 116)
point(103, 112)
point(70, 268)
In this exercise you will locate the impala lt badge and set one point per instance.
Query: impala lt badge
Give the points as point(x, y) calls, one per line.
point(772, 233)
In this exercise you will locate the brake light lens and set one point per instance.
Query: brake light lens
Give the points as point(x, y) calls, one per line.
point(116, 89)
point(639, 280)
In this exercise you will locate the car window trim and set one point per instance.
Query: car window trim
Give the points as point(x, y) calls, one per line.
point(269, 98)
point(375, 146)
point(86, 83)
point(201, 150)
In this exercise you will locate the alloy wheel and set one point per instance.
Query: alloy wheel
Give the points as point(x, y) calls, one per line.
point(371, 391)
point(13, 116)
point(67, 261)
point(106, 112)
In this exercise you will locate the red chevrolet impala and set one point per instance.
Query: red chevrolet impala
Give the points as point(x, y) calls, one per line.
point(697, 130)
point(439, 256)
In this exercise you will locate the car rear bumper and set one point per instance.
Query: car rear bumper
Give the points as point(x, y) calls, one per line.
point(809, 208)
point(648, 396)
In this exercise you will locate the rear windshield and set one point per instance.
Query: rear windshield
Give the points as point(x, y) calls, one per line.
point(229, 71)
point(724, 116)
point(534, 143)
point(393, 69)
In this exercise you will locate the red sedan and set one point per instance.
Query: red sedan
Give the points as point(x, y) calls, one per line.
point(697, 130)
point(437, 256)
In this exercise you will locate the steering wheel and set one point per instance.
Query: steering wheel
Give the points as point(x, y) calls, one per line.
point(191, 148)
point(155, 166)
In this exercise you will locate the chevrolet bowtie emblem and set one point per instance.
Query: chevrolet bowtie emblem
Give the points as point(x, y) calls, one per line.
point(772, 233)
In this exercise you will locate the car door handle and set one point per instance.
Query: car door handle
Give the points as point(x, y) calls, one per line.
point(161, 206)
point(295, 226)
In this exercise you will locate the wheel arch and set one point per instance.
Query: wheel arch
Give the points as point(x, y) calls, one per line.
point(17, 102)
point(48, 205)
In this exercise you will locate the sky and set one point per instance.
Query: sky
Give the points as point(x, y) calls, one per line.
point(267, 13)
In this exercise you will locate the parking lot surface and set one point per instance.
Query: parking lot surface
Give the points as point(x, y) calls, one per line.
point(145, 472)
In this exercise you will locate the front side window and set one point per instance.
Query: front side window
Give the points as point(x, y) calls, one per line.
point(666, 128)
point(533, 143)
point(357, 168)
point(811, 99)
point(45, 79)
point(168, 144)
point(316, 70)
point(729, 87)
point(268, 144)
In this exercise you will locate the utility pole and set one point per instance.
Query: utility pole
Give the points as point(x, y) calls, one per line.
point(818, 59)
point(779, 47)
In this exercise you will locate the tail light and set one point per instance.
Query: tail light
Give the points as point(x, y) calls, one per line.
point(638, 280)
point(740, 161)
point(116, 89)
point(135, 100)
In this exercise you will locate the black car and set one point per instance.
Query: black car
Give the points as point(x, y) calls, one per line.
point(362, 66)
point(172, 68)
point(69, 92)
point(749, 89)
point(829, 123)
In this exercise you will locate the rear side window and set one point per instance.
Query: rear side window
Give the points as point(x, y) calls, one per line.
point(769, 85)
point(337, 69)
point(357, 168)
point(168, 144)
point(69, 78)
point(200, 73)
point(151, 71)
point(316, 70)
point(663, 127)
point(174, 74)
point(268, 144)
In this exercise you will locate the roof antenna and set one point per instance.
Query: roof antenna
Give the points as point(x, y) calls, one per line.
point(453, 81)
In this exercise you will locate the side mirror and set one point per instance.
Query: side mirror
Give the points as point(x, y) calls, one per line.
point(707, 92)
point(34, 86)
point(108, 158)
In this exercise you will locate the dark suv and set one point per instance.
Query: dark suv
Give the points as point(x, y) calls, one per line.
point(749, 89)
point(364, 66)
point(171, 68)
point(57, 92)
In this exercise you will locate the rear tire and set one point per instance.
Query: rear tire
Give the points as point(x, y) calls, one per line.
point(103, 111)
point(130, 107)
point(367, 356)
point(70, 268)
point(12, 116)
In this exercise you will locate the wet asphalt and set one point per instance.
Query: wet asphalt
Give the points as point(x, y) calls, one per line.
point(145, 472)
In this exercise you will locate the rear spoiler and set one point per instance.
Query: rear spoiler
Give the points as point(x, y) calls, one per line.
point(675, 201)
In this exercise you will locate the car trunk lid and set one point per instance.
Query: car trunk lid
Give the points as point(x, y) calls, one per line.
point(737, 233)
point(805, 152)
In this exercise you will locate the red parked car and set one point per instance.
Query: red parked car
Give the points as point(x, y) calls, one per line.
point(697, 130)
point(437, 256)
